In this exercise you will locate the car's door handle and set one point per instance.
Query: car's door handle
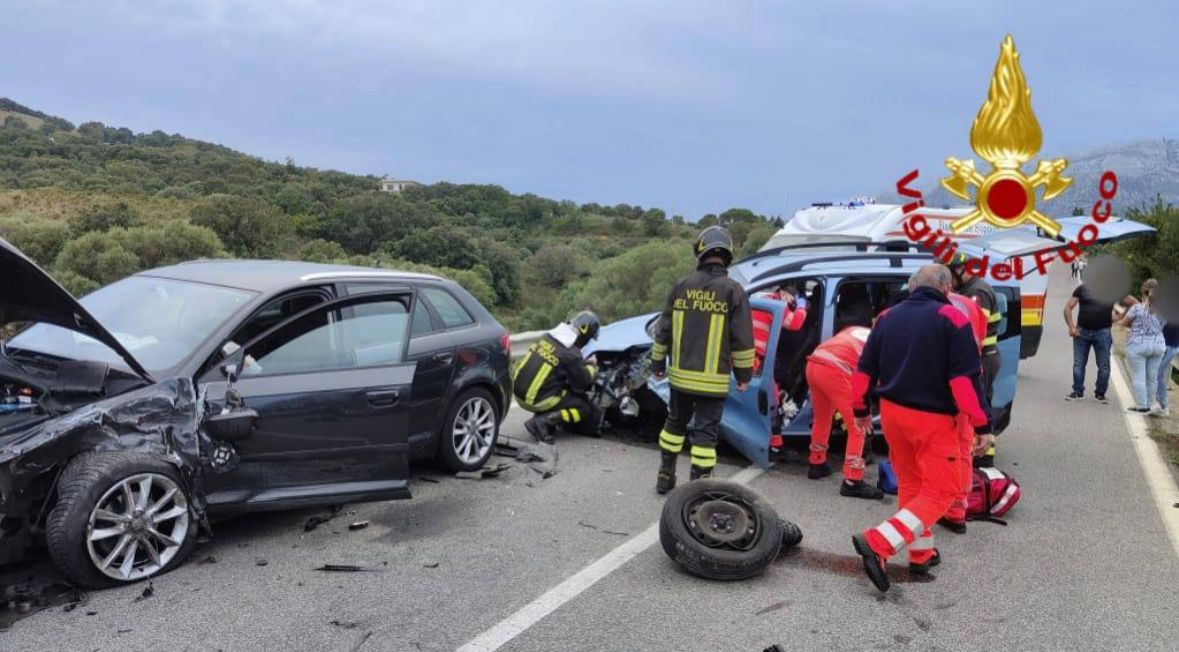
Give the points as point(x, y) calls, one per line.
point(383, 397)
point(444, 358)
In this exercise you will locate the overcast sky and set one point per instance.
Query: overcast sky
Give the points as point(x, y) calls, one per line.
point(688, 105)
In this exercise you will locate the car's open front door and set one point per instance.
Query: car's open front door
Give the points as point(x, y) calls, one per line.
point(748, 415)
point(330, 387)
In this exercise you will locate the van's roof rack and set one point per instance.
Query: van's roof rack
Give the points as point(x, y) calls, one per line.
point(895, 259)
point(858, 244)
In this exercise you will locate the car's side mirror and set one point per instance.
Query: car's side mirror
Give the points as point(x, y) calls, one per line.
point(231, 426)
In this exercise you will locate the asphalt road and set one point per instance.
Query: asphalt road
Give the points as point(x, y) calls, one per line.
point(1085, 564)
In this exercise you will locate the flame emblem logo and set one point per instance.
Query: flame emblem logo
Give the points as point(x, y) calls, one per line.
point(1006, 134)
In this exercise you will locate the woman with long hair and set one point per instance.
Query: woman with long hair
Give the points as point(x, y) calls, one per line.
point(1144, 347)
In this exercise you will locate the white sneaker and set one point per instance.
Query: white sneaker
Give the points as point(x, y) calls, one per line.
point(1160, 412)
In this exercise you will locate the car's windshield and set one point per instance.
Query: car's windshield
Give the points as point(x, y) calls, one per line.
point(160, 321)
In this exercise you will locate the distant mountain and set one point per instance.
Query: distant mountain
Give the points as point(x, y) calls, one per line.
point(1145, 169)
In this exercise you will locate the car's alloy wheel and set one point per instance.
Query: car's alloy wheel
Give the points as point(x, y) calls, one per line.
point(137, 527)
point(473, 430)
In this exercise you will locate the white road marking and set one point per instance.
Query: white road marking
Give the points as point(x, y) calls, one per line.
point(1158, 476)
point(535, 611)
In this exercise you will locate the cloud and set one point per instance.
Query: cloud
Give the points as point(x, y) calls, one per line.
point(610, 47)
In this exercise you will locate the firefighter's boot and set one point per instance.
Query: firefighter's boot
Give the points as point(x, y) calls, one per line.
point(665, 481)
point(542, 427)
point(700, 473)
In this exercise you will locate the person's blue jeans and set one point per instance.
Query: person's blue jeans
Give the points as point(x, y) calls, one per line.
point(1100, 341)
point(1164, 382)
point(1143, 358)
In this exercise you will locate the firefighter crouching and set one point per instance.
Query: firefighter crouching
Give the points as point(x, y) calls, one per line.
point(704, 335)
point(922, 360)
point(552, 380)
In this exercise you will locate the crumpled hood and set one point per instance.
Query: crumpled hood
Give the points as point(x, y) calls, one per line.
point(28, 294)
point(565, 334)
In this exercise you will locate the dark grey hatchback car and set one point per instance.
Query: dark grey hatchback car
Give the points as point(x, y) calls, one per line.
point(130, 417)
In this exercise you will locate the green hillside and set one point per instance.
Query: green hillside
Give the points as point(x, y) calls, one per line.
point(94, 203)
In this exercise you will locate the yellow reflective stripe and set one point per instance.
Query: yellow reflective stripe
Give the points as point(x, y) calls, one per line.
point(520, 365)
point(576, 414)
point(671, 443)
point(743, 359)
point(988, 341)
point(705, 457)
point(564, 415)
point(716, 326)
point(677, 330)
point(541, 375)
point(1032, 317)
point(658, 352)
point(719, 389)
point(993, 317)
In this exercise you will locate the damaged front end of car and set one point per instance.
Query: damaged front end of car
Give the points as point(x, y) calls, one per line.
point(162, 421)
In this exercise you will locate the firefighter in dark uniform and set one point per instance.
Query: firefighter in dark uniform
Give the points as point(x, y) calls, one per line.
point(552, 380)
point(704, 335)
point(976, 288)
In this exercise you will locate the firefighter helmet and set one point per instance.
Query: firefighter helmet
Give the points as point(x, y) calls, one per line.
point(715, 241)
point(587, 325)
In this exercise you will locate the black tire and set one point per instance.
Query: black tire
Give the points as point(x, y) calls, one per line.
point(83, 483)
point(791, 534)
point(447, 453)
point(738, 560)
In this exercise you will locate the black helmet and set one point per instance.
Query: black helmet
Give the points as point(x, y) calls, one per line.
point(715, 241)
point(587, 326)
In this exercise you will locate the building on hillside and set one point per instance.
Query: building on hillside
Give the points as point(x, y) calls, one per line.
point(389, 184)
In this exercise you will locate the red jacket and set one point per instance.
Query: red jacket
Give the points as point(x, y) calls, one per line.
point(792, 320)
point(842, 351)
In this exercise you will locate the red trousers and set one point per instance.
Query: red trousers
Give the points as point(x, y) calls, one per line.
point(831, 392)
point(926, 452)
point(957, 511)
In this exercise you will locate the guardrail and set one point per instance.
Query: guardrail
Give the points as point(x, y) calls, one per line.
point(521, 342)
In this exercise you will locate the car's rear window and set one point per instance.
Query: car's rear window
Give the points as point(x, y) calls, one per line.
point(452, 313)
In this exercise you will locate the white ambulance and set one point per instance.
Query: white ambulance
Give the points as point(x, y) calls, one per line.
point(863, 221)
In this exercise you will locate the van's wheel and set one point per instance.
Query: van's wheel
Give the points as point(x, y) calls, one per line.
point(469, 431)
point(720, 530)
point(120, 517)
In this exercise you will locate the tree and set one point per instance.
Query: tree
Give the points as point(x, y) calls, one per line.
point(39, 238)
point(503, 263)
point(556, 264)
point(439, 246)
point(169, 243)
point(1156, 256)
point(635, 282)
point(362, 223)
point(98, 257)
point(105, 216)
point(754, 240)
point(250, 228)
point(321, 251)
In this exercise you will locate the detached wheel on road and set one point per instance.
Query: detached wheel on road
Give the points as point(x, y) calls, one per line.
point(120, 517)
point(720, 530)
point(469, 431)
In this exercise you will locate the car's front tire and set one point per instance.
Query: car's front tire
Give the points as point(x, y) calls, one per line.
point(469, 432)
point(120, 517)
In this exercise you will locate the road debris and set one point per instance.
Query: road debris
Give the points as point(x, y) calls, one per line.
point(261, 562)
point(539, 457)
point(341, 568)
point(488, 471)
point(584, 524)
point(318, 520)
point(358, 525)
point(616, 532)
point(430, 564)
point(211, 559)
point(425, 479)
point(347, 624)
point(147, 593)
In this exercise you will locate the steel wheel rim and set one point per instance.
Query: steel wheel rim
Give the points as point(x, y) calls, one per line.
point(473, 431)
point(137, 527)
point(719, 519)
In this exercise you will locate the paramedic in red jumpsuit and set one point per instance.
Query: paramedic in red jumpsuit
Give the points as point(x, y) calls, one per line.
point(922, 361)
point(793, 318)
point(829, 372)
point(955, 518)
